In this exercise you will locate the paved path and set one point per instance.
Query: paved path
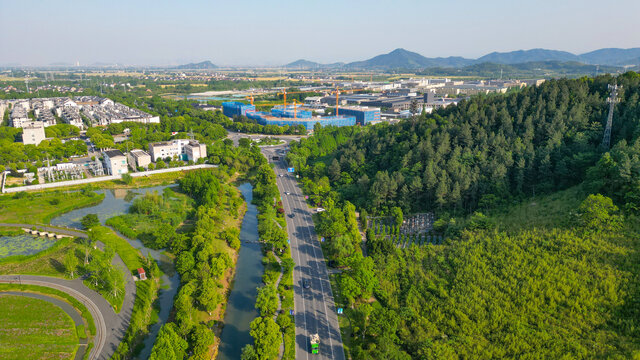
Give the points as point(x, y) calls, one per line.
point(56, 230)
point(66, 307)
point(315, 310)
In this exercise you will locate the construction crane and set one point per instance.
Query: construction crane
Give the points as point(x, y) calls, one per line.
point(337, 92)
point(612, 100)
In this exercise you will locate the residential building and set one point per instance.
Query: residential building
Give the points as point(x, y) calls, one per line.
point(33, 133)
point(139, 158)
point(183, 149)
point(115, 162)
point(195, 150)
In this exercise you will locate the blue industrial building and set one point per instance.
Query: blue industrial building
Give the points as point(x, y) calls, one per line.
point(281, 116)
point(236, 108)
point(363, 115)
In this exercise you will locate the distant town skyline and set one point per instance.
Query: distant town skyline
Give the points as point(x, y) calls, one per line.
point(252, 32)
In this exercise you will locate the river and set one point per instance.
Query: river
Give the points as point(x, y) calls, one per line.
point(249, 269)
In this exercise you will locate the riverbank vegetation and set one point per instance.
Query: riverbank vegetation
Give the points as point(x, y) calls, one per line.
point(205, 261)
point(41, 207)
point(155, 219)
point(275, 298)
point(535, 262)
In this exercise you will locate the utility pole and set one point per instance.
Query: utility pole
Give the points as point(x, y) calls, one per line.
point(612, 100)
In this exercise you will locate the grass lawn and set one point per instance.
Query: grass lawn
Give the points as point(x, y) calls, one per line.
point(86, 315)
point(40, 207)
point(35, 329)
point(129, 254)
point(547, 211)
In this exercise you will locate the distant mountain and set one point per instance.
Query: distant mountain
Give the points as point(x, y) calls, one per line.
point(523, 56)
point(534, 69)
point(612, 56)
point(303, 64)
point(404, 59)
point(197, 66)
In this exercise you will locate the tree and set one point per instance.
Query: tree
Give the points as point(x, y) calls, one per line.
point(267, 338)
point(202, 338)
point(209, 296)
point(597, 212)
point(90, 220)
point(169, 345)
point(70, 262)
point(249, 353)
point(396, 213)
point(127, 178)
point(267, 300)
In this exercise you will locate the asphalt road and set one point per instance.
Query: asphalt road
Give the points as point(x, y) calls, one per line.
point(315, 310)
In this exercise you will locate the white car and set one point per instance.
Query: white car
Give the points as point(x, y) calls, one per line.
point(287, 193)
point(281, 175)
point(319, 209)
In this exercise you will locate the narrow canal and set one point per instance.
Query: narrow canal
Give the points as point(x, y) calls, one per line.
point(249, 269)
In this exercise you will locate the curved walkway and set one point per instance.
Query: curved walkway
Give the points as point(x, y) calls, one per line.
point(66, 307)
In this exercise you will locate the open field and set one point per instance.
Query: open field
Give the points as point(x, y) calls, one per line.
point(35, 329)
point(39, 208)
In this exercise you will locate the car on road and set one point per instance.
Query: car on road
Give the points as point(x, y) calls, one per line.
point(292, 215)
point(306, 284)
point(320, 209)
point(287, 193)
point(281, 175)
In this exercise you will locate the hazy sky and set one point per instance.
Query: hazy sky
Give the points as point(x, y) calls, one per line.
point(263, 32)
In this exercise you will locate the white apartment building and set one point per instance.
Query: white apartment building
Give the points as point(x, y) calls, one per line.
point(115, 162)
point(33, 133)
point(184, 149)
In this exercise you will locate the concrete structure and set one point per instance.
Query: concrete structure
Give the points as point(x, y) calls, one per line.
point(115, 162)
point(285, 118)
point(33, 133)
point(139, 158)
point(183, 149)
point(195, 150)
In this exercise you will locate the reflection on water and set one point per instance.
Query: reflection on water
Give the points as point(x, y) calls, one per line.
point(241, 307)
point(117, 202)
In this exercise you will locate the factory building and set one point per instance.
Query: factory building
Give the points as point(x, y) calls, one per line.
point(364, 115)
point(115, 162)
point(282, 116)
point(235, 108)
point(33, 133)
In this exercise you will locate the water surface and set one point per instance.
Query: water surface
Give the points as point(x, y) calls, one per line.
point(249, 269)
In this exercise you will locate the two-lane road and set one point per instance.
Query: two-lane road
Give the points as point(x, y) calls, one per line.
point(315, 310)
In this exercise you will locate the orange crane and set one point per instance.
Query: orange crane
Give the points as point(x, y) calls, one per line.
point(285, 92)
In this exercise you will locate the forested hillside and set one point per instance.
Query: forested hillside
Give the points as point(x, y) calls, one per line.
point(486, 151)
point(526, 269)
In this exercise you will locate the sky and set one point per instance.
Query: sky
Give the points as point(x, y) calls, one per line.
point(263, 32)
